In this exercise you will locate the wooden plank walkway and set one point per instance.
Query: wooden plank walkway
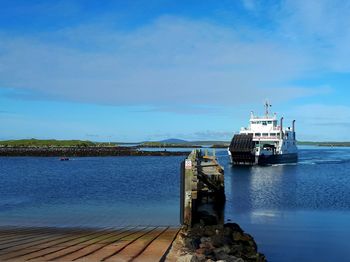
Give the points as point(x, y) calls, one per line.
point(78, 244)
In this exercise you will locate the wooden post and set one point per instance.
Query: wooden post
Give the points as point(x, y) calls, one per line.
point(182, 192)
point(186, 189)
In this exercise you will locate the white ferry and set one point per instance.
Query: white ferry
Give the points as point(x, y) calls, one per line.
point(264, 142)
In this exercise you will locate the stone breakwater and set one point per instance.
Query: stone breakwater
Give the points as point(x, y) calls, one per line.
point(207, 243)
point(82, 151)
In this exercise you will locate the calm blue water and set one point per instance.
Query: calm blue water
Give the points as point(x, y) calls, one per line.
point(105, 191)
point(297, 212)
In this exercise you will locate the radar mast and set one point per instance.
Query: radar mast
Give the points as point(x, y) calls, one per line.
point(267, 105)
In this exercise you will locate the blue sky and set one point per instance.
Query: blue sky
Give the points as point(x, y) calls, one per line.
point(150, 70)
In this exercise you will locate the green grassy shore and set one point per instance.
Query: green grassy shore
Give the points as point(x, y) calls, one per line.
point(52, 143)
point(311, 143)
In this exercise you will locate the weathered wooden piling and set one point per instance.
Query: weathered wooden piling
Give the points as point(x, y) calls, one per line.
point(202, 189)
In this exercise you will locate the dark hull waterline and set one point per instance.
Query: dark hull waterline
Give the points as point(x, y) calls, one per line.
point(263, 159)
point(278, 159)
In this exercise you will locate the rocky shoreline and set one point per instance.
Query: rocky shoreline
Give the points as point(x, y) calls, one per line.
point(207, 243)
point(82, 152)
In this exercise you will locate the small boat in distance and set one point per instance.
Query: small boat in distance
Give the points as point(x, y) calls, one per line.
point(264, 142)
point(64, 159)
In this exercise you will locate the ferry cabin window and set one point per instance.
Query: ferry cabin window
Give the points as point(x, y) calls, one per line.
point(264, 123)
point(265, 134)
point(269, 122)
point(273, 134)
point(257, 134)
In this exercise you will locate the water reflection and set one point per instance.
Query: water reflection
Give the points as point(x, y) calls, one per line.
point(291, 208)
point(254, 188)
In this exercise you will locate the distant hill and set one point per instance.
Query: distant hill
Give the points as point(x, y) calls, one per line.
point(208, 143)
point(186, 142)
point(173, 141)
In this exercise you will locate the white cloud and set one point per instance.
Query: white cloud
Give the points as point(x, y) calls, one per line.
point(171, 60)
point(321, 27)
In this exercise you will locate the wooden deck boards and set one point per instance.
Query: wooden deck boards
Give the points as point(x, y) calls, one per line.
point(55, 244)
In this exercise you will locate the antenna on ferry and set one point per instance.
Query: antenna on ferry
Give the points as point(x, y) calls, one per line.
point(267, 105)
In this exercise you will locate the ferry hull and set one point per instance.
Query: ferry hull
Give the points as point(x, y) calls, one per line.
point(277, 159)
point(263, 160)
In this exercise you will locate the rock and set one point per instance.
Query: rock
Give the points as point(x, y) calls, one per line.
point(200, 250)
point(261, 258)
point(237, 236)
point(227, 240)
point(236, 249)
point(205, 239)
point(207, 219)
point(209, 231)
point(221, 255)
point(247, 242)
point(228, 231)
point(231, 259)
point(201, 257)
point(209, 243)
point(187, 258)
point(224, 253)
point(234, 227)
point(226, 249)
point(217, 240)
point(206, 245)
point(191, 243)
point(197, 227)
point(247, 237)
point(206, 242)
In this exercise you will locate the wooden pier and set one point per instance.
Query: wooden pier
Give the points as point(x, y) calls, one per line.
point(202, 189)
point(74, 244)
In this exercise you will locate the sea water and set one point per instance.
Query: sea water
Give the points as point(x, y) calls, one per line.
point(295, 212)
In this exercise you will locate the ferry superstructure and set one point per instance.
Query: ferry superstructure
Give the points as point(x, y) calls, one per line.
point(264, 142)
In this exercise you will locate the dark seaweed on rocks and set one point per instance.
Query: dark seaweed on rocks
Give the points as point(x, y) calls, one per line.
point(206, 243)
